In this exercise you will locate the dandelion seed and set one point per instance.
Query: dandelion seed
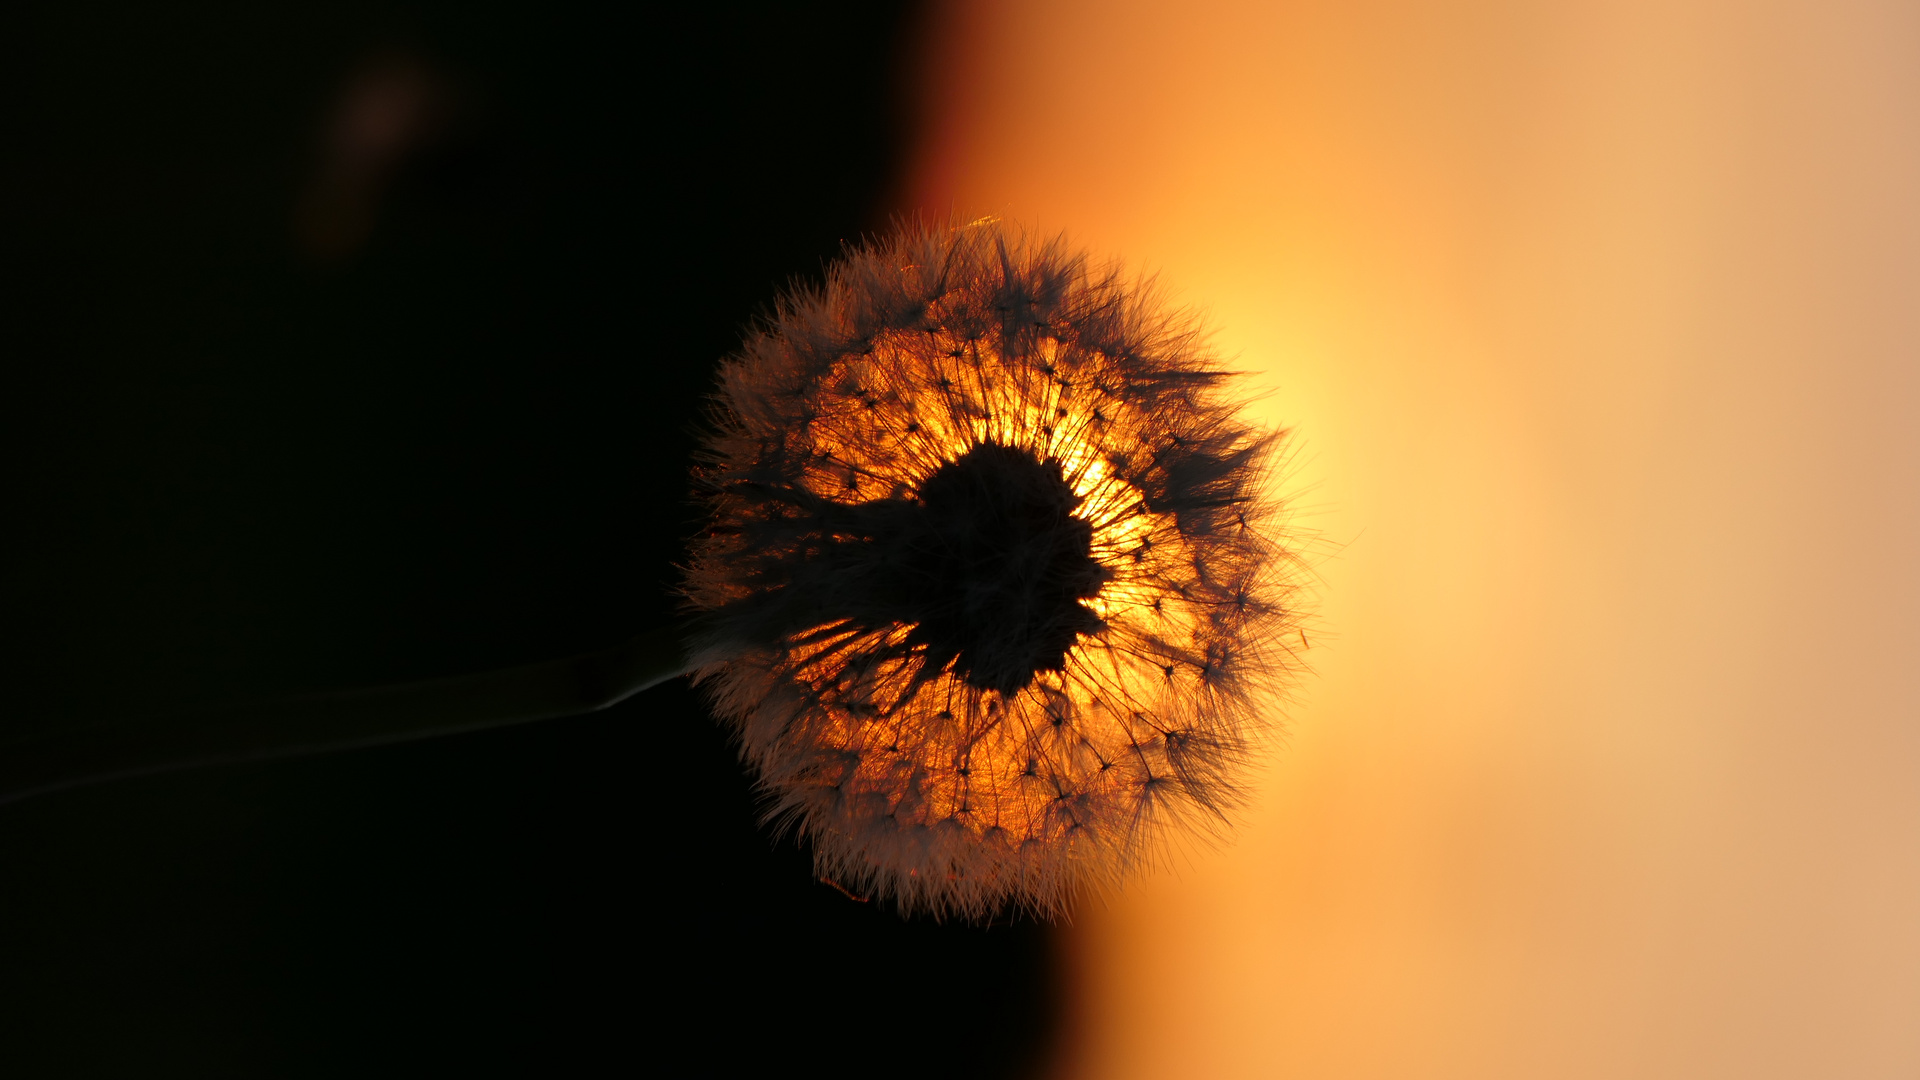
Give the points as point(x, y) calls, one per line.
point(992, 592)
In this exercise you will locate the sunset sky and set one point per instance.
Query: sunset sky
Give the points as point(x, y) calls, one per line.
point(1596, 326)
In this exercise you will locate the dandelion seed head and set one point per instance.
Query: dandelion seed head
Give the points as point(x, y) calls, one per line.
point(991, 592)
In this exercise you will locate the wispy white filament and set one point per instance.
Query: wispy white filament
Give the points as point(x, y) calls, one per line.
point(963, 733)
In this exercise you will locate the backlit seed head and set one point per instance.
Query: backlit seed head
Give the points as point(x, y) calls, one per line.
point(991, 591)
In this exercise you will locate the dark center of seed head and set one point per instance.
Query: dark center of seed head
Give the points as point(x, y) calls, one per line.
point(999, 568)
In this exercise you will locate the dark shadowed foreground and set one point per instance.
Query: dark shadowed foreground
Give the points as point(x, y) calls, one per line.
point(361, 344)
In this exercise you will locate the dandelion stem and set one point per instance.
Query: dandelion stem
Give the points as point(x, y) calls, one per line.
point(340, 720)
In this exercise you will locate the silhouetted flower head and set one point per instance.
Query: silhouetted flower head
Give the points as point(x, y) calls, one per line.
point(991, 590)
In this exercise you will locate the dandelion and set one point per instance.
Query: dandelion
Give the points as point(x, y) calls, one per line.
point(990, 594)
point(990, 597)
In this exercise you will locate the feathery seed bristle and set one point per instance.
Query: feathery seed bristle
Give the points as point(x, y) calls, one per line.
point(992, 590)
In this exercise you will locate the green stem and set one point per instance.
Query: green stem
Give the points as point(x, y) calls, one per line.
point(342, 720)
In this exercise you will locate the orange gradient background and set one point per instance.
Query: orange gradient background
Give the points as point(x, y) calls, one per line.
point(1598, 324)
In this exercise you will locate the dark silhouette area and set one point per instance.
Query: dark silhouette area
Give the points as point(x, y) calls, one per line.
point(356, 343)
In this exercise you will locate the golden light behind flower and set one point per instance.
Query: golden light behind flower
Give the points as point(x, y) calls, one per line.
point(1595, 322)
point(991, 589)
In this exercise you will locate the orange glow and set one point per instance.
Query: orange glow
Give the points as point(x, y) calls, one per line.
point(1038, 583)
point(1598, 324)
point(1119, 693)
